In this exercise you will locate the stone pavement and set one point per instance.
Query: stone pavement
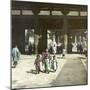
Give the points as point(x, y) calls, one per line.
point(74, 72)
point(70, 71)
point(23, 78)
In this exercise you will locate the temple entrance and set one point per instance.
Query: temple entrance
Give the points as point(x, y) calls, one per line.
point(29, 41)
point(55, 41)
point(76, 41)
point(37, 28)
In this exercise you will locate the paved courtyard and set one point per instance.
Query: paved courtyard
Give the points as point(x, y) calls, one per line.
point(72, 70)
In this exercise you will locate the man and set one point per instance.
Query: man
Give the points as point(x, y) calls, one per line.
point(15, 55)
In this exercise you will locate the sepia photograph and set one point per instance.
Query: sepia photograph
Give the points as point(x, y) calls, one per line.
point(49, 44)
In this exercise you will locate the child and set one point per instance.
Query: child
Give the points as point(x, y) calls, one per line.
point(54, 63)
point(15, 55)
point(37, 64)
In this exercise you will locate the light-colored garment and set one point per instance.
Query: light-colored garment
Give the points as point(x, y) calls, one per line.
point(55, 64)
point(47, 62)
point(42, 68)
point(15, 54)
point(54, 49)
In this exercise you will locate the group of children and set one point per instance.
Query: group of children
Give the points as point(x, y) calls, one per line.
point(45, 63)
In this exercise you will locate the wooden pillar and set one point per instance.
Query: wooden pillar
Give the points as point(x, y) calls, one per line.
point(65, 28)
point(65, 11)
point(18, 34)
point(36, 26)
point(43, 40)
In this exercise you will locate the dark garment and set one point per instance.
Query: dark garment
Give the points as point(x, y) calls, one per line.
point(79, 48)
point(51, 50)
point(37, 65)
point(85, 53)
point(61, 48)
point(70, 48)
point(30, 49)
point(58, 49)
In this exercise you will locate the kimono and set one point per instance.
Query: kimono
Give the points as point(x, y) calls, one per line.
point(37, 65)
point(15, 55)
point(54, 65)
point(46, 61)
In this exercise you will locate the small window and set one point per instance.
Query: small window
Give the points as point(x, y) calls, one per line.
point(27, 12)
point(15, 12)
point(57, 13)
point(73, 13)
point(83, 13)
point(44, 13)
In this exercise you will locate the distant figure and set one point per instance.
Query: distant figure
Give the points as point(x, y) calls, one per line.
point(15, 55)
point(54, 49)
point(61, 48)
point(54, 63)
point(64, 52)
point(79, 48)
point(70, 47)
point(51, 49)
point(30, 49)
point(37, 64)
point(58, 49)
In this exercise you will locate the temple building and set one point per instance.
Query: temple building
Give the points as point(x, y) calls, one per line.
point(37, 26)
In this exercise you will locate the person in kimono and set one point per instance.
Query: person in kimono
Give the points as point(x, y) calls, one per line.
point(37, 64)
point(46, 61)
point(54, 49)
point(63, 51)
point(15, 55)
point(54, 63)
point(51, 63)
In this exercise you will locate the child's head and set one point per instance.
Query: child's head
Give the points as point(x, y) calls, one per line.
point(46, 50)
point(38, 56)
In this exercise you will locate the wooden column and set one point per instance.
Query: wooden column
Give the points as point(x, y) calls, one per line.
point(65, 11)
point(65, 27)
point(36, 26)
point(43, 40)
point(18, 34)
